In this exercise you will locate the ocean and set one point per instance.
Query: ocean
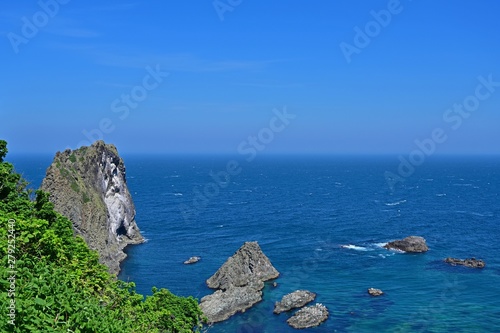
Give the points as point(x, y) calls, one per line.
point(322, 222)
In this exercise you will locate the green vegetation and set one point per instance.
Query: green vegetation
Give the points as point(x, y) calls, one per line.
point(72, 158)
point(58, 284)
point(75, 187)
point(85, 197)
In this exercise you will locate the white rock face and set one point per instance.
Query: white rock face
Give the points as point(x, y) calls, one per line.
point(89, 186)
point(118, 200)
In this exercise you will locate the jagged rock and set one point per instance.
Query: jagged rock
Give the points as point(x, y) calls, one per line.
point(221, 305)
point(240, 281)
point(310, 316)
point(248, 264)
point(413, 244)
point(88, 186)
point(469, 262)
point(192, 260)
point(294, 300)
point(375, 292)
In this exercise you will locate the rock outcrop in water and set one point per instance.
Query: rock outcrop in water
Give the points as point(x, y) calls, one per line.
point(310, 316)
point(239, 281)
point(294, 300)
point(192, 260)
point(88, 186)
point(469, 262)
point(375, 292)
point(413, 244)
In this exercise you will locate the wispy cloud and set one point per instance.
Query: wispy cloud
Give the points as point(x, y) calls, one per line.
point(74, 32)
point(272, 85)
point(177, 62)
point(111, 7)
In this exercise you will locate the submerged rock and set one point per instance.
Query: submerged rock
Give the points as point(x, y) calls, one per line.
point(469, 262)
point(294, 300)
point(375, 292)
point(310, 316)
point(192, 260)
point(414, 244)
point(239, 281)
point(88, 186)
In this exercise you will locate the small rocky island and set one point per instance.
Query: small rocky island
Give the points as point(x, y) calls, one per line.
point(411, 244)
point(192, 260)
point(294, 300)
point(469, 262)
point(310, 316)
point(239, 283)
point(375, 292)
point(89, 187)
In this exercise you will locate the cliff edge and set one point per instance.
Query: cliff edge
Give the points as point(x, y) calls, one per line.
point(88, 186)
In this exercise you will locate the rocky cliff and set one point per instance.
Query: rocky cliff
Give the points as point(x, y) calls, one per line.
point(88, 185)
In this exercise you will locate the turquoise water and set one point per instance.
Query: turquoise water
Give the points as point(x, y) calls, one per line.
point(302, 210)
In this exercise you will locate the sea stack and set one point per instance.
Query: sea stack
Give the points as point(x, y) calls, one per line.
point(239, 283)
point(411, 244)
point(89, 186)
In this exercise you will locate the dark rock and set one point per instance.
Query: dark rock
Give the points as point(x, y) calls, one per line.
point(414, 244)
point(89, 187)
point(469, 262)
point(297, 299)
point(240, 281)
point(310, 316)
point(192, 260)
point(375, 292)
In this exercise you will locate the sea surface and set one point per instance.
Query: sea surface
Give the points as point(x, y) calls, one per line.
point(322, 221)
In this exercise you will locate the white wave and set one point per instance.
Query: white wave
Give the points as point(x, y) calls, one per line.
point(487, 214)
point(395, 203)
point(381, 245)
point(462, 184)
point(178, 194)
point(441, 195)
point(354, 247)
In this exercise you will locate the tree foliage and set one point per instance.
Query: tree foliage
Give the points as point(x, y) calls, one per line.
point(56, 281)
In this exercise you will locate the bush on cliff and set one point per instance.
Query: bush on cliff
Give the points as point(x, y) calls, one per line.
point(50, 281)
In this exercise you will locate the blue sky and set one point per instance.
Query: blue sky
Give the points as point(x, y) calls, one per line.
point(230, 63)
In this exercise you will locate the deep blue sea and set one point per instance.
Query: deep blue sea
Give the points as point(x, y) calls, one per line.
point(302, 210)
